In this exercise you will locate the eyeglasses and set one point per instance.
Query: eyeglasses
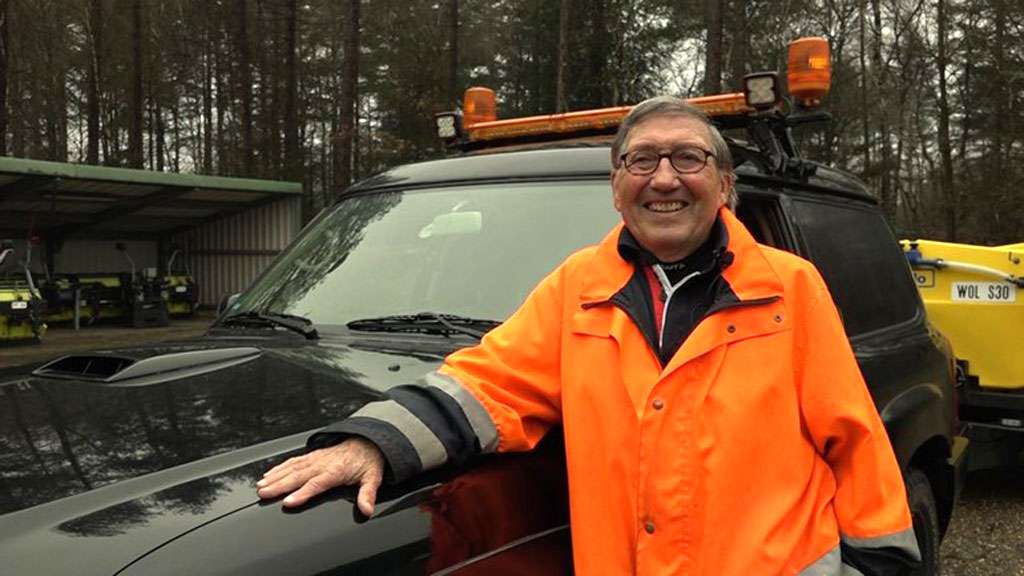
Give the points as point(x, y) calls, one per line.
point(645, 161)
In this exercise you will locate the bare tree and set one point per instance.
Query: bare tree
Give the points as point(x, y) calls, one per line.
point(92, 97)
point(880, 76)
point(713, 48)
point(135, 156)
point(5, 41)
point(345, 132)
point(945, 149)
point(738, 50)
point(563, 57)
point(453, 53)
point(245, 83)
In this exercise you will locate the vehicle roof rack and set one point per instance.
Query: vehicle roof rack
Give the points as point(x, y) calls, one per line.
point(760, 110)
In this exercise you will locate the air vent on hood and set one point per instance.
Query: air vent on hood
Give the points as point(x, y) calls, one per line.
point(136, 372)
point(88, 367)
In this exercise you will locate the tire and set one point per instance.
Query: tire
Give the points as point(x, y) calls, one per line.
point(926, 521)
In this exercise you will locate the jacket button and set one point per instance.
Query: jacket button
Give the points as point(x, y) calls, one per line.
point(649, 528)
point(778, 318)
point(731, 328)
point(658, 404)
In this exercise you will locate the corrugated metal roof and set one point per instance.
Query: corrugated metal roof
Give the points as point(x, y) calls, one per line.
point(82, 201)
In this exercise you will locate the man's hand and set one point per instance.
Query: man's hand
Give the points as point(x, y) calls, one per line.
point(354, 461)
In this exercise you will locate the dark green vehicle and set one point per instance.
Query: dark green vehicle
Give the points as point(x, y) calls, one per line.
point(143, 460)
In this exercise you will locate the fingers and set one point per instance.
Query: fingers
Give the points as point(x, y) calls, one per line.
point(283, 483)
point(368, 491)
point(355, 461)
point(288, 468)
point(287, 465)
point(315, 485)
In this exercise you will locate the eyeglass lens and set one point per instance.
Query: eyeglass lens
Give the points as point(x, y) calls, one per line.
point(683, 160)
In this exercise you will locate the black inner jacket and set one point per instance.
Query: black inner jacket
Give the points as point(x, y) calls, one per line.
point(690, 302)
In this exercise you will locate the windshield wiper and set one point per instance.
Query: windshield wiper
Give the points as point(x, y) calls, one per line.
point(427, 323)
point(292, 322)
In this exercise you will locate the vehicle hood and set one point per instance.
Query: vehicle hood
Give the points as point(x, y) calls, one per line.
point(148, 443)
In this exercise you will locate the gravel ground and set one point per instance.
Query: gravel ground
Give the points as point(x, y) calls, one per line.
point(986, 533)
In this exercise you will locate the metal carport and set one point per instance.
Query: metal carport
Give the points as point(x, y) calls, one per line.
point(78, 211)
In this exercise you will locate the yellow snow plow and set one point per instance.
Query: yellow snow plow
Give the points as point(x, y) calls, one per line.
point(975, 296)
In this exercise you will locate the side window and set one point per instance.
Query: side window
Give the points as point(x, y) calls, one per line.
point(861, 262)
point(764, 219)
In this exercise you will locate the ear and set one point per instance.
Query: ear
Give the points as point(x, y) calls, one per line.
point(615, 192)
point(728, 181)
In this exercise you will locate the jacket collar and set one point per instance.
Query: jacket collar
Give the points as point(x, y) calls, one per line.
point(745, 268)
point(709, 254)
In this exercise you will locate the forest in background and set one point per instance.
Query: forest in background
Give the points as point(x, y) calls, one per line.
point(927, 97)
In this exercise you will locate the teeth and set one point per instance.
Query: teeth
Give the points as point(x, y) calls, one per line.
point(665, 206)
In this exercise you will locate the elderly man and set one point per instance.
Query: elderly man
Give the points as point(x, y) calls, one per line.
point(715, 419)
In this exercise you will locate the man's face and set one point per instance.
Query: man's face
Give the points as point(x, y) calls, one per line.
point(670, 214)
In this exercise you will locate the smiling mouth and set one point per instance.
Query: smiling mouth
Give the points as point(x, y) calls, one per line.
point(665, 206)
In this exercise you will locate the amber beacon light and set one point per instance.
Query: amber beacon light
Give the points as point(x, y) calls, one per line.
point(810, 70)
point(478, 105)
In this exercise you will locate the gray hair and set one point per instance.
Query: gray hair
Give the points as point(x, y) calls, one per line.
point(670, 106)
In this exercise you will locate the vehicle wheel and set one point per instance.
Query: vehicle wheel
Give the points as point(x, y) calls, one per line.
point(926, 521)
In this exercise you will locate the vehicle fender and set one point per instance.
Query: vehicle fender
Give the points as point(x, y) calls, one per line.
point(914, 417)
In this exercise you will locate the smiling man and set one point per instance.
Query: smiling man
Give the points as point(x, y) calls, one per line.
point(715, 419)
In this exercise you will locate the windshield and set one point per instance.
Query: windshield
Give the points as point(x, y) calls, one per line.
point(473, 251)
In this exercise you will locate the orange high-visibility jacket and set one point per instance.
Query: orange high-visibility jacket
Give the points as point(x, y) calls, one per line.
point(755, 450)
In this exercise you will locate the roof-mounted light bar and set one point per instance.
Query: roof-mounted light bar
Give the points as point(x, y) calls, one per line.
point(808, 77)
point(596, 120)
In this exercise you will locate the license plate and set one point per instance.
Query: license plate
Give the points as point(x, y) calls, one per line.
point(19, 305)
point(984, 292)
point(181, 289)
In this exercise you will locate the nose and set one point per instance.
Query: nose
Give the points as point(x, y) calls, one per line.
point(664, 176)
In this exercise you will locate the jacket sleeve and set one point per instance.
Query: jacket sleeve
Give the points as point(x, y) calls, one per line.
point(876, 531)
point(500, 395)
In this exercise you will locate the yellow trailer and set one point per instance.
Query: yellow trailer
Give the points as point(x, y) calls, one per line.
point(975, 296)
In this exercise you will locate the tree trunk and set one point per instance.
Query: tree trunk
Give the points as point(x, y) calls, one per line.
point(208, 103)
point(346, 122)
point(453, 54)
point(225, 160)
point(292, 153)
point(159, 129)
point(135, 155)
point(738, 54)
point(176, 127)
point(713, 49)
point(292, 150)
point(561, 104)
point(864, 116)
point(945, 149)
point(5, 42)
point(15, 87)
point(885, 192)
point(245, 81)
point(92, 98)
point(1000, 89)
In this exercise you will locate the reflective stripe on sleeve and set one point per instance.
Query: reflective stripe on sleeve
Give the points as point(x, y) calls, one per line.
point(474, 411)
point(831, 564)
point(904, 541)
point(827, 565)
point(428, 448)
